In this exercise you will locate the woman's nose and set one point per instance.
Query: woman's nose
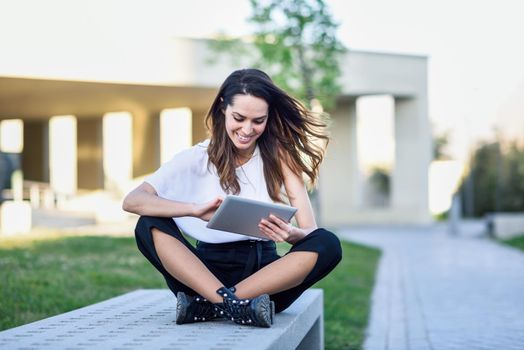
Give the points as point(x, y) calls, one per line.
point(247, 128)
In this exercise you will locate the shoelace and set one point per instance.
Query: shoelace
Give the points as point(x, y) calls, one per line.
point(236, 309)
point(239, 310)
point(204, 308)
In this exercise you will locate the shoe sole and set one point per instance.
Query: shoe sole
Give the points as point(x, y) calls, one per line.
point(181, 307)
point(265, 311)
point(272, 311)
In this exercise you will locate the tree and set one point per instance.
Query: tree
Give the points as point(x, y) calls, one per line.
point(380, 183)
point(297, 46)
point(380, 180)
point(440, 146)
point(497, 178)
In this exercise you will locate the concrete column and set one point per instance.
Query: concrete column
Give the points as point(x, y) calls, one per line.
point(90, 153)
point(63, 154)
point(35, 156)
point(199, 130)
point(409, 182)
point(146, 142)
point(340, 190)
point(12, 142)
point(15, 215)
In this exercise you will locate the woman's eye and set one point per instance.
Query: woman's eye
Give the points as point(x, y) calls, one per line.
point(259, 122)
point(238, 119)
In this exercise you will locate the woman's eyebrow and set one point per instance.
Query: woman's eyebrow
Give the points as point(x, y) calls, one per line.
point(240, 115)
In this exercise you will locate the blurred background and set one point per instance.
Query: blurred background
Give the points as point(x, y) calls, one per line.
point(426, 98)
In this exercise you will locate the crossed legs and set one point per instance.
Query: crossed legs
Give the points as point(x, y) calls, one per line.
point(284, 273)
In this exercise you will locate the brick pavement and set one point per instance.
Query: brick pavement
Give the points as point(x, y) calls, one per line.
point(436, 291)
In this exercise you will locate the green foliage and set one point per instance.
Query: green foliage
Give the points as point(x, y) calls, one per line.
point(440, 144)
point(496, 179)
point(517, 242)
point(45, 277)
point(442, 217)
point(380, 180)
point(296, 45)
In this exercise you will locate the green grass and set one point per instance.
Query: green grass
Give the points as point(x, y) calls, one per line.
point(44, 277)
point(347, 292)
point(517, 242)
point(40, 278)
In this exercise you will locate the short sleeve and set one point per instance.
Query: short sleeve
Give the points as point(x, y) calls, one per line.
point(168, 179)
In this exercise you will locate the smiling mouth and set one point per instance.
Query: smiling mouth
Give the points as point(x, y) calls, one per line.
point(243, 138)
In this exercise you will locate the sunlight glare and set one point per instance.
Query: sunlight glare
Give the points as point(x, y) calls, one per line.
point(375, 129)
point(175, 132)
point(63, 154)
point(12, 135)
point(118, 145)
point(444, 179)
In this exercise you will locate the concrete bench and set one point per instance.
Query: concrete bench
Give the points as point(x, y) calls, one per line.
point(145, 319)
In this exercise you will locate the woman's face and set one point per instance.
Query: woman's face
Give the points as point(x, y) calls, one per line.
point(246, 120)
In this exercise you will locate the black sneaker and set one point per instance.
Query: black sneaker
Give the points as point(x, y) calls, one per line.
point(257, 312)
point(190, 309)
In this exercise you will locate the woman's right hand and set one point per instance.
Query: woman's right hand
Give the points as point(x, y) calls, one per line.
point(206, 210)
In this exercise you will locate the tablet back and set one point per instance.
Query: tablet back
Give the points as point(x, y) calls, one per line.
point(242, 215)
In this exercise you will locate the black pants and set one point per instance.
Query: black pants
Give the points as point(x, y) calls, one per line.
point(233, 262)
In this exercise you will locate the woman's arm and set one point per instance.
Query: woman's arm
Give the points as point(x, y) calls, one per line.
point(144, 200)
point(298, 198)
point(279, 230)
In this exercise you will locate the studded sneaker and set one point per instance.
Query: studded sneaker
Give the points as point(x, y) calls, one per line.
point(257, 312)
point(190, 309)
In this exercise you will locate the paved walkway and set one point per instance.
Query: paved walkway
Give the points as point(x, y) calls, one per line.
point(436, 291)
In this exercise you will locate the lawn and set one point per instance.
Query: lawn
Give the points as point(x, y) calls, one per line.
point(517, 242)
point(47, 276)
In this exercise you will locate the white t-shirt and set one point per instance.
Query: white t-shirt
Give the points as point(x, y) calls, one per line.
point(187, 178)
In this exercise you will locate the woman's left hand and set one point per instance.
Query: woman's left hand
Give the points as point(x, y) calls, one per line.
point(279, 230)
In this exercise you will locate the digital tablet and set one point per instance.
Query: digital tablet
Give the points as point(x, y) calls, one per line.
point(242, 215)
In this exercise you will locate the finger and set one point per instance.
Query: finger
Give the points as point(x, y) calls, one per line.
point(267, 232)
point(271, 230)
point(271, 226)
point(281, 223)
point(279, 232)
point(283, 228)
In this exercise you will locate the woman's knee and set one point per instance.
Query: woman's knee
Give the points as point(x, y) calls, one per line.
point(329, 245)
point(147, 224)
point(143, 229)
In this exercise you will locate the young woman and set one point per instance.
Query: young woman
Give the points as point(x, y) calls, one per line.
point(261, 145)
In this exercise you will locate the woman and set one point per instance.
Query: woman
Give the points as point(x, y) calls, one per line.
point(261, 141)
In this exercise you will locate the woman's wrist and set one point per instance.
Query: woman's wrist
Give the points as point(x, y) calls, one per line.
point(192, 209)
point(302, 232)
point(296, 234)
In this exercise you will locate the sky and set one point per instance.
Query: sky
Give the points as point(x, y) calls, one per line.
point(474, 47)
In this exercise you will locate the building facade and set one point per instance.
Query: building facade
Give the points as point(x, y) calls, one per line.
point(102, 126)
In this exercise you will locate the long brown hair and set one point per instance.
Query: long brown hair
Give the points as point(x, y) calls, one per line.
point(291, 133)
